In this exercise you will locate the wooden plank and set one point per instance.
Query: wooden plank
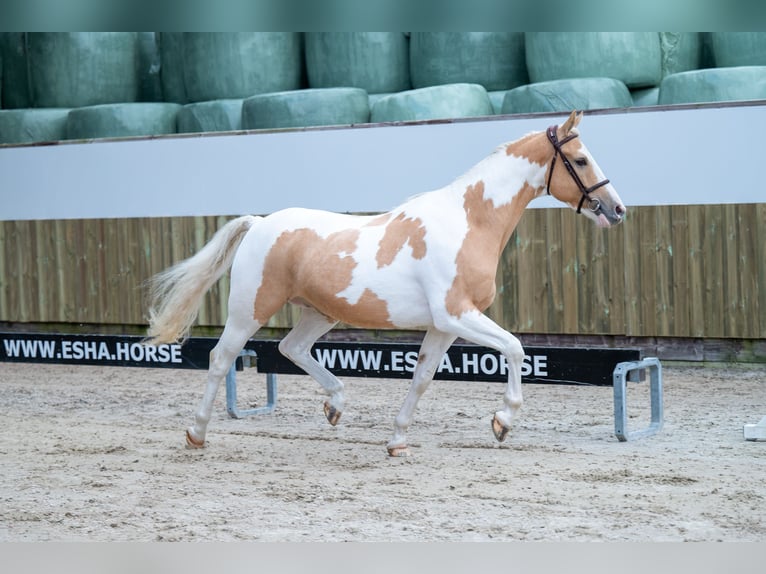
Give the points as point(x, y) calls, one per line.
point(570, 278)
point(730, 280)
point(678, 250)
point(524, 272)
point(663, 263)
point(5, 286)
point(748, 307)
point(536, 283)
point(696, 271)
point(631, 228)
point(647, 277)
point(554, 267)
point(712, 243)
point(617, 266)
point(759, 237)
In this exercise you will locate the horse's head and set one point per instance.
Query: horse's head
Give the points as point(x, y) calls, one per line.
point(574, 177)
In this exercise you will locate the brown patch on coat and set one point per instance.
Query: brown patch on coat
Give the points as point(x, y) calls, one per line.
point(534, 148)
point(400, 231)
point(379, 220)
point(305, 267)
point(489, 229)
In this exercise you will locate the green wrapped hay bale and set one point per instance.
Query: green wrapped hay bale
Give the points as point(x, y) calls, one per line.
point(15, 79)
point(82, 68)
point(377, 62)
point(567, 95)
point(435, 102)
point(215, 116)
point(681, 52)
point(646, 96)
point(496, 98)
point(373, 98)
point(232, 65)
point(21, 126)
point(494, 60)
point(171, 49)
point(122, 120)
point(714, 85)
point(149, 84)
point(634, 58)
point(303, 108)
point(734, 49)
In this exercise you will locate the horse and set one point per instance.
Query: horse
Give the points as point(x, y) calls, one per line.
point(429, 264)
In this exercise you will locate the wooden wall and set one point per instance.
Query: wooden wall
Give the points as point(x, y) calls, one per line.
point(669, 271)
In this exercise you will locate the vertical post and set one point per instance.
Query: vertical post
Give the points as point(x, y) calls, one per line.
point(619, 377)
point(231, 392)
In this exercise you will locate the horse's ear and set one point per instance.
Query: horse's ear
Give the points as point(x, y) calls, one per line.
point(572, 121)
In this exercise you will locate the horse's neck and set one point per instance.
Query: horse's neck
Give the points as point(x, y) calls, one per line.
point(495, 192)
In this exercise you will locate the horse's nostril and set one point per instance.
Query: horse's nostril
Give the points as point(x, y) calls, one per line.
point(619, 210)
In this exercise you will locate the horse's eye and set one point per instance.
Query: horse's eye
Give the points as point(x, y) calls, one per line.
point(581, 161)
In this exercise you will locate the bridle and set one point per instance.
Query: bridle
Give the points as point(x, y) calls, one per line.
point(594, 204)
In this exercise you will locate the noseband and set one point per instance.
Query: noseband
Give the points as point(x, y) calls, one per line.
point(595, 205)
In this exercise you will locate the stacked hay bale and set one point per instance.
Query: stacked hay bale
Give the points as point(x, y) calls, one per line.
point(456, 75)
point(213, 72)
point(129, 84)
point(740, 72)
point(585, 70)
point(53, 73)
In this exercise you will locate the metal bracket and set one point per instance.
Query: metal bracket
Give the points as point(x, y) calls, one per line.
point(231, 390)
point(756, 431)
point(620, 375)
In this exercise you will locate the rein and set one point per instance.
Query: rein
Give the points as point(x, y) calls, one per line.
point(594, 204)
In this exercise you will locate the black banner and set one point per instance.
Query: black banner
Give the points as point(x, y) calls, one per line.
point(357, 359)
point(460, 363)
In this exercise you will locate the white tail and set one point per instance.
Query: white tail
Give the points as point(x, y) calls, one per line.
point(176, 293)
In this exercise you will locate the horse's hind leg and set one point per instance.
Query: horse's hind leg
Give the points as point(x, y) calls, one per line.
point(434, 345)
point(235, 335)
point(296, 346)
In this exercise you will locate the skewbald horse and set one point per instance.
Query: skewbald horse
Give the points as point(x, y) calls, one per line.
point(428, 264)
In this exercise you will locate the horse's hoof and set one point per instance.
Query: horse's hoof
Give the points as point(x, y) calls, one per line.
point(499, 430)
point(398, 451)
point(191, 442)
point(332, 414)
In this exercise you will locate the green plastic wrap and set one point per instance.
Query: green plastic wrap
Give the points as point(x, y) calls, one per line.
point(377, 62)
point(645, 96)
point(634, 58)
point(21, 126)
point(82, 68)
point(122, 120)
point(714, 85)
point(567, 95)
point(15, 78)
point(229, 65)
point(494, 60)
point(732, 49)
point(303, 108)
point(435, 102)
point(149, 84)
point(215, 116)
point(681, 52)
point(496, 98)
point(171, 48)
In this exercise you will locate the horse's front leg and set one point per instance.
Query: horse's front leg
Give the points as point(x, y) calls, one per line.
point(435, 344)
point(476, 327)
